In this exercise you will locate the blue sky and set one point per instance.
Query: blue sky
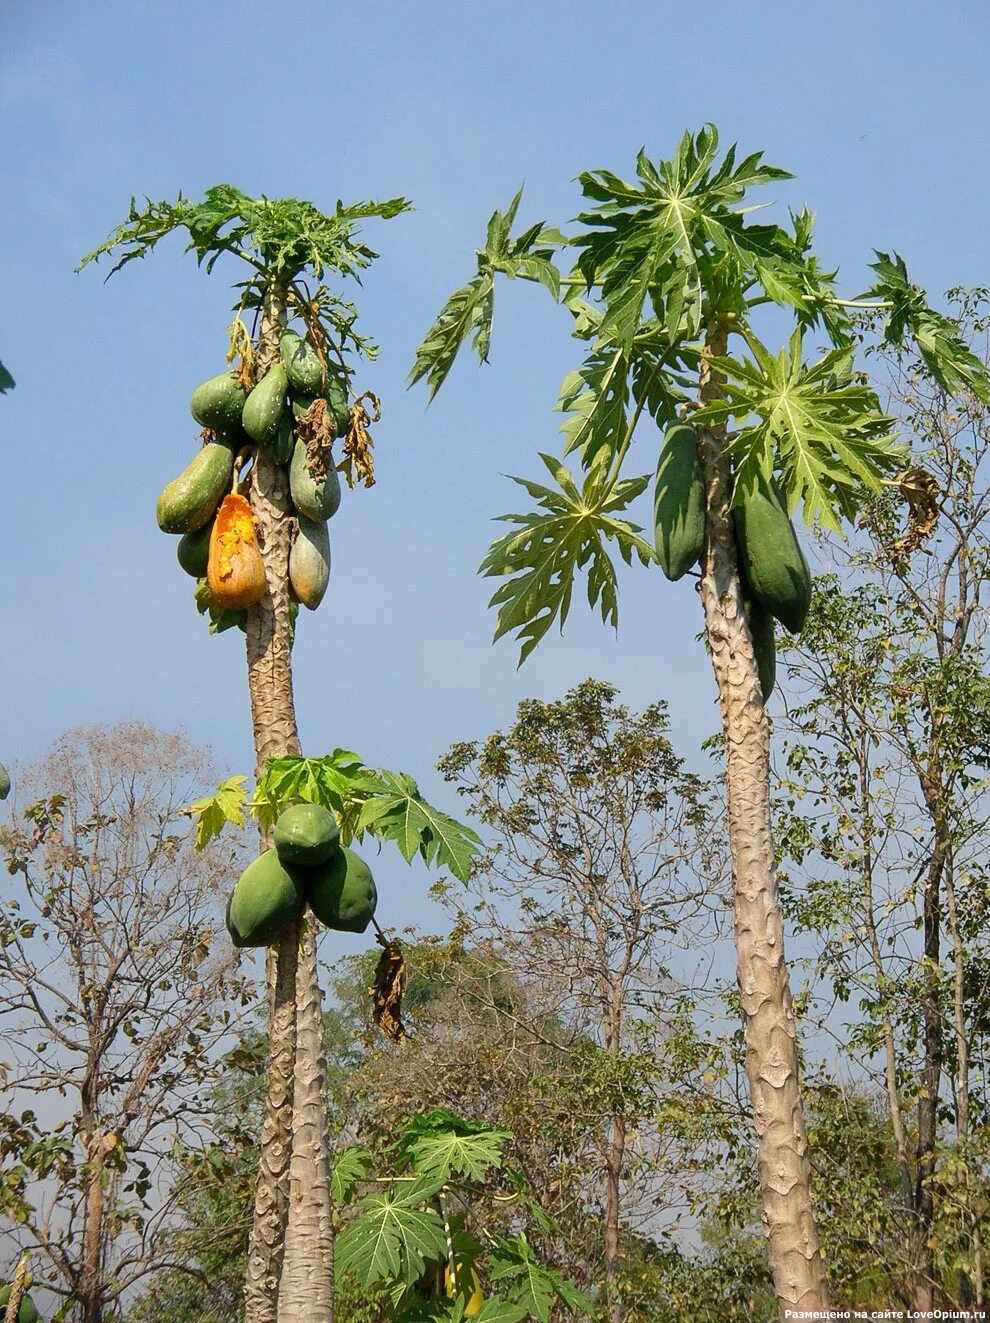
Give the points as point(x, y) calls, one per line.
point(881, 111)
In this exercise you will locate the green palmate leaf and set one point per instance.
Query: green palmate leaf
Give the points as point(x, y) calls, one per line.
point(213, 812)
point(333, 781)
point(500, 1311)
point(350, 1167)
point(651, 236)
point(529, 1283)
point(283, 236)
point(824, 433)
point(596, 396)
point(392, 1238)
point(470, 309)
point(939, 339)
point(395, 810)
point(6, 380)
point(440, 1144)
point(566, 534)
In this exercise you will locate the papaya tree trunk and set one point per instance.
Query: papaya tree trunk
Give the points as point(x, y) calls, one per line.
point(307, 1271)
point(768, 1016)
point(269, 660)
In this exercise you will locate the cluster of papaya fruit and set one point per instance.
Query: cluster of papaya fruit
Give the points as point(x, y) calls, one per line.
point(293, 412)
point(307, 865)
point(775, 576)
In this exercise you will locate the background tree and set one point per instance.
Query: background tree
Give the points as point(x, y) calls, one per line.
point(887, 812)
point(606, 859)
point(113, 997)
point(669, 269)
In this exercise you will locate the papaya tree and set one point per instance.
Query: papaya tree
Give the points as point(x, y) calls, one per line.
point(670, 275)
point(251, 509)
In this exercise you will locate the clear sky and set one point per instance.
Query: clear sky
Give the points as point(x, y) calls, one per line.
point(881, 109)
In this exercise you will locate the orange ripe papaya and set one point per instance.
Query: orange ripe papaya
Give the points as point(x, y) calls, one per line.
point(235, 571)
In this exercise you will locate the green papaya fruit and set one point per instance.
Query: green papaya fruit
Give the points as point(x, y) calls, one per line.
point(27, 1311)
point(771, 562)
point(336, 398)
point(309, 562)
point(342, 893)
point(280, 448)
point(263, 407)
point(679, 502)
point(301, 362)
point(4, 782)
point(219, 402)
point(188, 502)
point(267, 896)
point(193, 551)
point(316, 500)
point(764, 647)
point(306, 834)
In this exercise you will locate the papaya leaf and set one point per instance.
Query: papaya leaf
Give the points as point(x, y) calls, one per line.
point(938, 338)
point(596, 396)
point(529, 1283)
point(470, 309)
point(6, 380)
point(440, 1144)
point(221, 619)
point(332, 781)
point(350, 1167)
point(392, 1239)
point(658, 231)
point(500, 1311)
point(213, 812)
point(395, 810)
point(823, 433)
point(542, 556)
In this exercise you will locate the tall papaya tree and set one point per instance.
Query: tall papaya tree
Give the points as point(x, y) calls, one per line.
point(251, 510)
point(669, 277)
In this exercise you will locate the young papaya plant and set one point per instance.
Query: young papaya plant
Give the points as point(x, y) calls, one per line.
point(420, 1240)
point(258, 548)
point(670, 273)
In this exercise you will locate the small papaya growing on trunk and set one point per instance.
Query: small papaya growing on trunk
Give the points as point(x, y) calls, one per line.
point(235, 571)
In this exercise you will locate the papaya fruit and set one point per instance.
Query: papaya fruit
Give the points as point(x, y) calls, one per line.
point(309, 562)
point(4, 782)
point(301, 362)
point(337, 406)
point(280, 447)
point(193, 551)
point(219, 403)
point(235, 571)
point(316, 498)
point(342, 893)
point(188, 502)
point(771, 563)
point(679, 502)
point(267, 897)
point(336, 398)
point(764, 647)
point(306, 834)
point(27, 1311)
point(467, 1285)
point(263, 407)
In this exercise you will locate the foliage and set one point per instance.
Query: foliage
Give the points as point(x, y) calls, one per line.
point(385, 805)
point(6, 380)
point(283, 240)
point(663, 263)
